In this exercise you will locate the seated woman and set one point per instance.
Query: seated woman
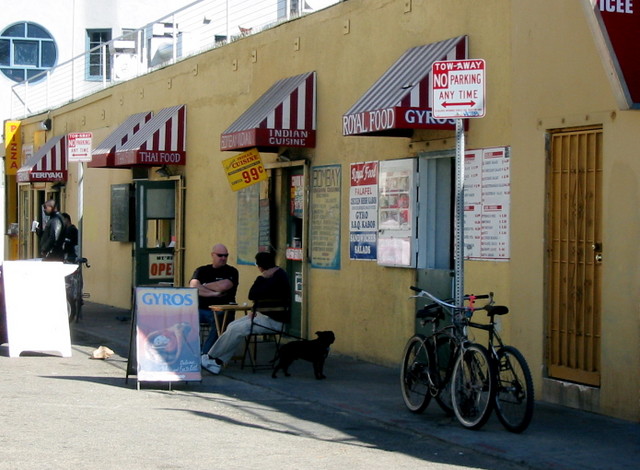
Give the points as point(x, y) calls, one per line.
point(271, 288)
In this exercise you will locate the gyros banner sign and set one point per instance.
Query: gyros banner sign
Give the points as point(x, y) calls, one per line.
point(395, 117)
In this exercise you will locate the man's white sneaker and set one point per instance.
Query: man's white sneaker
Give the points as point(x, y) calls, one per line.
point(210, 364)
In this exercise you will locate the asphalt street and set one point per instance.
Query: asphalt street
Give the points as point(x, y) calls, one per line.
point(80, 413)
point(60, 413)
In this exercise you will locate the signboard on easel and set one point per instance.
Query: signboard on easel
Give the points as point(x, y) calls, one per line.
point(167, 335)
point(36, 322)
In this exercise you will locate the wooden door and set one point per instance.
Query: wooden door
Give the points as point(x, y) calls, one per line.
point(574, 249)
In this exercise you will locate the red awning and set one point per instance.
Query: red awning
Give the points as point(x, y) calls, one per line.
point(48, 164)
point(161, 141)
point(103, 156)
point(399, 101)
point(285, 116)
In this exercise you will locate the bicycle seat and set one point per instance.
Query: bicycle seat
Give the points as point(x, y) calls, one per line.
point(497, 310)
point(431, 311)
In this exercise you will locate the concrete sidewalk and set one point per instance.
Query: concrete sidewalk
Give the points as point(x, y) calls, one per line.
point(558, 437)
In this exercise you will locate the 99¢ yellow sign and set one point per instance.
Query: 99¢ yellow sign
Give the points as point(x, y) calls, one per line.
point(244, 169)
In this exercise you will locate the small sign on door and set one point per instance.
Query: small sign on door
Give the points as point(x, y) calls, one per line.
point(160, 266)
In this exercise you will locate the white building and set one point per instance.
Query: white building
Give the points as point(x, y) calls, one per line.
point(37, 36)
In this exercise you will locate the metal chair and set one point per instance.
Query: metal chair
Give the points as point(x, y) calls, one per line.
point(253, 339)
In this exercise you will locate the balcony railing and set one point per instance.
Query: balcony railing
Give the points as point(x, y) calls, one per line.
point(197, 27)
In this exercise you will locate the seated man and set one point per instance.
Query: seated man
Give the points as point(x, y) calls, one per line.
point(217, 284)
point(272, 285)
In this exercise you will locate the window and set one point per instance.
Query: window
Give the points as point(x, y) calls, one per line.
point(396, 213)
point(26, 50)
point(99, 59)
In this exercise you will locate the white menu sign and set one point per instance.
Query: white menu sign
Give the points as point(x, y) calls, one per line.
point(487, 200)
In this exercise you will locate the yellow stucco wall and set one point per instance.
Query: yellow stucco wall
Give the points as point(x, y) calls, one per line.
point(561, 83)
point(543, 72)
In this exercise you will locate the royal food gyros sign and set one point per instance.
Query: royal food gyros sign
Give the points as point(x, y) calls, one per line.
point(396, 117)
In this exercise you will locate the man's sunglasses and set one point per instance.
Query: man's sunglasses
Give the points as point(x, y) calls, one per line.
point(222, 255)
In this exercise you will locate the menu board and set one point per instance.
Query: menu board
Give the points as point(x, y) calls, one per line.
point(325, 216)
point(363, 211)
point(253, 224)
point(487, 201)
point(248, 224)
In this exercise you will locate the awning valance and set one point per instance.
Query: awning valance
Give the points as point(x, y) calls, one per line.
point(161, 141)
point(399, 101)
point(284, 116)
point(103, 156)
point(48, 164)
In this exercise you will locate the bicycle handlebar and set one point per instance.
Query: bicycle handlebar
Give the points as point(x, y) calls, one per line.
point(424, 293)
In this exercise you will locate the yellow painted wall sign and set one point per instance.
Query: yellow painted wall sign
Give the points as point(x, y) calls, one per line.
point(244, 169)
point(13, 146)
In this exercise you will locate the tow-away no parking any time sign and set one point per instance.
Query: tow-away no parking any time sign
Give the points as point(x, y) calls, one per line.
point(458, 88)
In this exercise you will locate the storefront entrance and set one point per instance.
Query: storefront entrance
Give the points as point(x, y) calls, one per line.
point(435, 225)
point(574, 256)
point(30, 201)
point(157, 253)
point(288, 234)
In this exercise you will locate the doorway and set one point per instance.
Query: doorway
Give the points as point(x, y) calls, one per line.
point(157, 230)
point(436, 172)
point(288, 184)
point(574, 255)
point(30, 202)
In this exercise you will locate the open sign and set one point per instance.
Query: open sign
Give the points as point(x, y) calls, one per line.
point(160, 266)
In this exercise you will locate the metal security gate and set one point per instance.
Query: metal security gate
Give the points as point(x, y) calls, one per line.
point(574, 250)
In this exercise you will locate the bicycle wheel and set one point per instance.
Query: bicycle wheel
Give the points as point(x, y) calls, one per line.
point(73, 291)
point(414, 375)
point(71, 310)
point(473, 386)
point(446, 349)
point(514, 391)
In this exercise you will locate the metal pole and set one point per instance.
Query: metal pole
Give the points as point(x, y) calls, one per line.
point(459, 216)
point(227, 23)
point(103, 59)
point(80, 218)
point(175, 39)
point(48, 86)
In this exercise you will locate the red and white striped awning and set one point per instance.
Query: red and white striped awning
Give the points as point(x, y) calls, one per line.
point(161, 141)
point(284, 116)
point(103, 156)
point(399, 101)
point(48, 164)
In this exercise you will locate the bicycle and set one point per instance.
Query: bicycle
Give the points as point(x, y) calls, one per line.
point(445, 365)
point(514, 398)
point(74, 283)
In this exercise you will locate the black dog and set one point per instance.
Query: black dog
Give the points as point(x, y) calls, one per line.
point(315, 351)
